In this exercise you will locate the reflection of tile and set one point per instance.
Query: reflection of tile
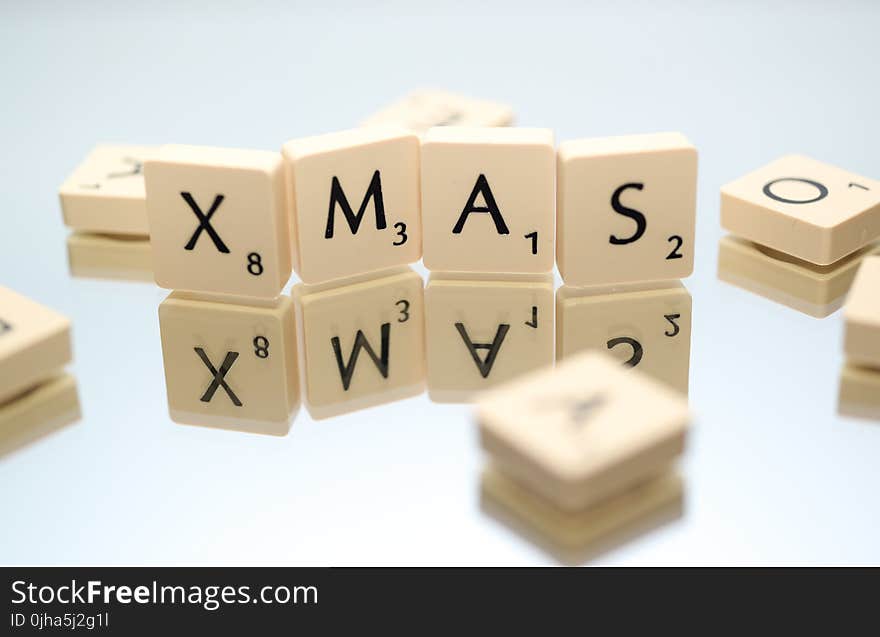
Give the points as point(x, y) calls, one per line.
point(859, 395)
point(481, 333)
point(230, 366)
point(362, 343)
point(34, 343)
point(811, 289)
point(106, 191)
point(38, 412)
point(862, 316)
point(119, 257)
point(805, 208)
point(584, 430)
point(645, 326)
point(577, 537)
point(424, 109)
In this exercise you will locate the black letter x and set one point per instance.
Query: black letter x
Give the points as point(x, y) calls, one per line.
point(219, 376)
point(204, 223)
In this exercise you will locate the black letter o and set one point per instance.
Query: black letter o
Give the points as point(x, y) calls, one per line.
point(823, 191)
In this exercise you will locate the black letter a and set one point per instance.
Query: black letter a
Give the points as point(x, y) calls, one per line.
point(481, 187)
point(337, 196)
point(485, 366)
point(346, 370)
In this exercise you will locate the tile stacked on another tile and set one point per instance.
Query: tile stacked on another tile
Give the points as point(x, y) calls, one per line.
point(582, 434)
point(808, 223)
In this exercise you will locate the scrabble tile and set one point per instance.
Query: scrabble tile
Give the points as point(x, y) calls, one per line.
point(105, 193)
point(113, 257)
point(626, 208)
point(488, 200)
point(218, 220)
point(815, 290)
point(861, 315)
point(355, 202)
point(362, 343)
point(40, 411)
point(584, 430)
point(34, 343)
point(647, 327)
point(230, 366)
point(804, 208)
point(480, 333)
point(425, 109)
point(859, 394)
point(573, 536)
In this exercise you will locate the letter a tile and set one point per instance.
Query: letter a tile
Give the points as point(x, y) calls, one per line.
point(488, 200)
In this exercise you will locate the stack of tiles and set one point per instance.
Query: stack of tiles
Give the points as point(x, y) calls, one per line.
point(860, 378)
point(103, 201)
point(584, 448)
point(802, 229)
point(36, 395)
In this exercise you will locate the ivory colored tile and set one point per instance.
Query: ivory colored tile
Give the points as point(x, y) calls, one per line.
point(583, 431)
point(804, 208)
point(230, 366)
point(480, 333)
point(861, 315)
point(113, 257)
point(647, 327)
point(626, 209)
point(105, 193)
point(488, 200)
point(815, 290)
point(42, 410)
point(574, 535)
point(424, 109)
point(34, 343)
point(218, 220)
point(362, 343)
point(859, 395)
point(354, 199)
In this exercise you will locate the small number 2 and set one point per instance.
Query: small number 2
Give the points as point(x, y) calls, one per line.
point(675, 254)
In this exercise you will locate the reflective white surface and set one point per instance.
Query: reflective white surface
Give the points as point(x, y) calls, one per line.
point(772, 473)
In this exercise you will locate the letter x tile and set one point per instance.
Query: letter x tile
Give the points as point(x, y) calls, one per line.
point(218, 222)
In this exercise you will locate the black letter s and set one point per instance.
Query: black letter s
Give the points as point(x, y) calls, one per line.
point(635, 215)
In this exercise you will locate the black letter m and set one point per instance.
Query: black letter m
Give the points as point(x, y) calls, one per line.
point(337, 196)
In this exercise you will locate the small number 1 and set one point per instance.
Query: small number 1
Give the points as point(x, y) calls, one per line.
point(534, 237)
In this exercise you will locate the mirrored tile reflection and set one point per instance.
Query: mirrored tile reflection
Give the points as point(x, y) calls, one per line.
point(112, 257)
point(859, 394)
point(814, 290)
point(582, 536)
point(644, 326)
point(482, 332)
point(230, 366)
point(362, 341)
point(38, 412)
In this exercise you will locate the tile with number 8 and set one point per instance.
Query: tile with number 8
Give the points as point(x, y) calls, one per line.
point(218, 220)
point(230, 366)
point(583, 431)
